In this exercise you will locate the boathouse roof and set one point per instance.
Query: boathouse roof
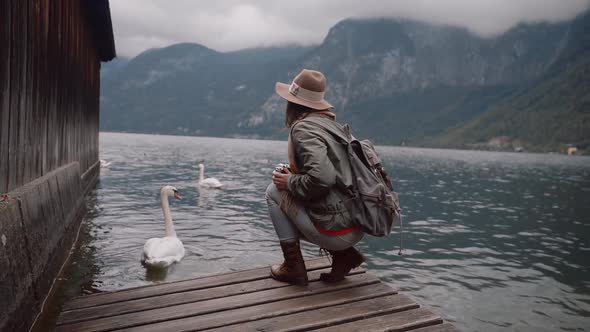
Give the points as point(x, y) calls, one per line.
point(98, 15)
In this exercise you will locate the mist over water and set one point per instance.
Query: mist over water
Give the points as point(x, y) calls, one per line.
point(493, 241)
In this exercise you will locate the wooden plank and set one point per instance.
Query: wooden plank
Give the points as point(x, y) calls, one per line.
point(399, 321)
point(181, 286)
point(20, 111)
point(309, 320)
point(34, 89)
point(120, 308)
point(26, 110)
point(4, 92)
point(268, 310)
point(226, 303)
point(444, 327)
point(51, 84)
point(43, 91)
point(15, 65)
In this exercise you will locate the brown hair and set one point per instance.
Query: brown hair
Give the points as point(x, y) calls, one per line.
point(295, 112)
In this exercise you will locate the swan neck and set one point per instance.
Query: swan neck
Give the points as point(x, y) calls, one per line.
point(201, 173)
point(167, 216)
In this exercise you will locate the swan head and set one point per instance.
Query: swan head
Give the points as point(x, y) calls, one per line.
point(201, 164)
point(170, 191)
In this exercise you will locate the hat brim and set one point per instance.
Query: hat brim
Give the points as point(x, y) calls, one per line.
point(282, 90)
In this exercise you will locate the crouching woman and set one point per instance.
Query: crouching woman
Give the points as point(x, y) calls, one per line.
point(308, 201)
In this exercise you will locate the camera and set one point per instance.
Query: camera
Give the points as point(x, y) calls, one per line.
point(283, 168)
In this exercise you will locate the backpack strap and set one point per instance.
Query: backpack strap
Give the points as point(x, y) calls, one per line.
point(346, 139)
point(340, 136)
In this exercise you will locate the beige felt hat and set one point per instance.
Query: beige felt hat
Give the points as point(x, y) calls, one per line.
point(307, 89)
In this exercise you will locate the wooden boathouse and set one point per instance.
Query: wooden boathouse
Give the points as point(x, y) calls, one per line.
point(50, 58)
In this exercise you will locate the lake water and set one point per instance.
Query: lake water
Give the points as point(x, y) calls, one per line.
point(494, 241)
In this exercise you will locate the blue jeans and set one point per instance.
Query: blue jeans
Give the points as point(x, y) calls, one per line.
point(301, 227)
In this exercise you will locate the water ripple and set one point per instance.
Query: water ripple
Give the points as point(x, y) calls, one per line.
point(494, 241)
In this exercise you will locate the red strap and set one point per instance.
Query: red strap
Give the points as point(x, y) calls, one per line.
point(338, 232)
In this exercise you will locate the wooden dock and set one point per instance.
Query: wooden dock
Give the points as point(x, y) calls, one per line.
point(251, 301)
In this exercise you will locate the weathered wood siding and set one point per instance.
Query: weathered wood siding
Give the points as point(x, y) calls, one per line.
point(49, 89)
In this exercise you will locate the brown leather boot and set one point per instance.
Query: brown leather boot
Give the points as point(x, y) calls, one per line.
point(293, 269)
point(342, 262)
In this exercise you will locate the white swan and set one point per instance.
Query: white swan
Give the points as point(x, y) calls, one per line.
point(208, 182)
point(162, 252)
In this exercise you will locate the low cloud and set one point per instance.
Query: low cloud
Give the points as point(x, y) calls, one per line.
point(236, 24)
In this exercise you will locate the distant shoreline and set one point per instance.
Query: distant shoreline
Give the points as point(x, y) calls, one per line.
point(261, 138)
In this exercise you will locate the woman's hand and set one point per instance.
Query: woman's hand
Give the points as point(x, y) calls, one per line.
point(281, 179)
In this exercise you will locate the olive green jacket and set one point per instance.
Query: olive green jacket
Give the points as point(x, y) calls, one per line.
point(323, 173)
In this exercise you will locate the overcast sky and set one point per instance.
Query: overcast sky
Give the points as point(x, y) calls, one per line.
point(226, 25)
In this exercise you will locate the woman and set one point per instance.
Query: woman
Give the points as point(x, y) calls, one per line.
point(308, 201)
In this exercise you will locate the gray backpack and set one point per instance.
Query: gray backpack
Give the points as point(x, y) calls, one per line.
point(375, 206)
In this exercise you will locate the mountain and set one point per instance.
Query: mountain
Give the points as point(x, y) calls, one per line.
point(393, 80)
point(552, 111)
